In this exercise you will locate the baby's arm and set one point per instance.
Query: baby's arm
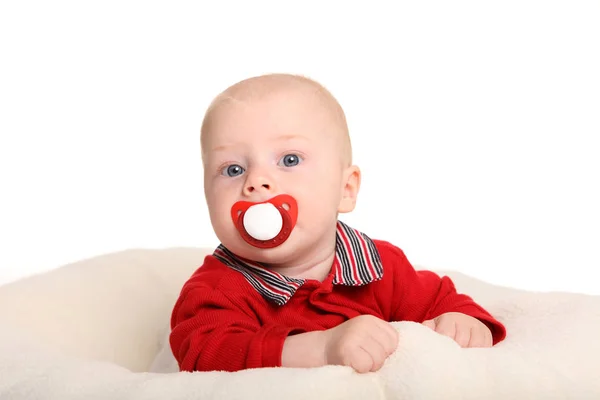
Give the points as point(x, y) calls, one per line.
point(304, 350)
point(363, 343)
point(423, 295)
point(211, 333)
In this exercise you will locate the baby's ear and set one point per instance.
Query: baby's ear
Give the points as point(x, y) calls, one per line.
point(350, 187)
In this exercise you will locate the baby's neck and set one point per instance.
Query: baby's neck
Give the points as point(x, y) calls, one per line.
point(315, 266)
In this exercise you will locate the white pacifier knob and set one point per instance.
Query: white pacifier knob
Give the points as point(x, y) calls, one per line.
point(263, 221)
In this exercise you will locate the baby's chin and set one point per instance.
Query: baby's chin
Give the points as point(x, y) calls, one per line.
point(281, 254)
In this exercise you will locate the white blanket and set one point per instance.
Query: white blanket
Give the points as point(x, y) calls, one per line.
point(552, 351)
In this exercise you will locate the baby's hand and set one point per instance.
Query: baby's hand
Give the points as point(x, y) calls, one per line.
point(363, 343)
point(464, 329)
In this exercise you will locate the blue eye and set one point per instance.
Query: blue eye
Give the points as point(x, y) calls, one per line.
point(233, 170)
point(289, 160)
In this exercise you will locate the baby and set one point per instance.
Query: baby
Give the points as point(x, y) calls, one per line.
point(291, 285)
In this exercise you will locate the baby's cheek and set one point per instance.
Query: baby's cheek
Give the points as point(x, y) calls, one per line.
point(225, 231)
point(220, 213)
point(317, 212)
point(221, 195)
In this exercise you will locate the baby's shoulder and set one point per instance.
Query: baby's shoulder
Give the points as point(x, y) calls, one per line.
point(213, 275)
point(393, 259)
point(388, 251)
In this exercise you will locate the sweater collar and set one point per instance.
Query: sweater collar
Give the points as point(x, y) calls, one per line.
point(356, 263)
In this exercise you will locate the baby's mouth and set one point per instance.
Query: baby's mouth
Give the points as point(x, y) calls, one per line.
point(265, 224)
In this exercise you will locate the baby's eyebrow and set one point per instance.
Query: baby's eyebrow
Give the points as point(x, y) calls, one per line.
point(223, 147)
point(282, 138)
point(291, 136)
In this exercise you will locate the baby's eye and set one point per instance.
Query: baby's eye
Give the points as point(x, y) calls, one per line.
point(289, 160)
point(233, 170)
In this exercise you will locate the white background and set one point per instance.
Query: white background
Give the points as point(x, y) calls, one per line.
point(476, 125)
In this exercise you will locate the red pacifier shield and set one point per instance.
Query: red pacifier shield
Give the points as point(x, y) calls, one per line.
point(266, 224)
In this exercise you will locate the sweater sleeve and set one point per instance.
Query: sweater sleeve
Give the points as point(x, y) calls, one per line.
point(424, 295)
point(209, 333)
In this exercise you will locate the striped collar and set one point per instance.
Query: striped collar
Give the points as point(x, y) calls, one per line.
point(356, 263)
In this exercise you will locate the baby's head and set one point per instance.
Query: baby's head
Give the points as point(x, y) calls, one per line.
point(278, 135)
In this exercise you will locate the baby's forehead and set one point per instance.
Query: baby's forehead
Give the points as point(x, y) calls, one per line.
point(294, 97)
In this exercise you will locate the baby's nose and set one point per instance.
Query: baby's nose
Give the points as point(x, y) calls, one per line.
point(258, 184)
point(263, 186)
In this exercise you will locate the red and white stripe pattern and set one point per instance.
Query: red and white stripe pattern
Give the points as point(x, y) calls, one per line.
point(357, 260)
point(356, 263)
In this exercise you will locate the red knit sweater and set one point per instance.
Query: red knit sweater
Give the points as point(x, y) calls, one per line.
point(222, 322)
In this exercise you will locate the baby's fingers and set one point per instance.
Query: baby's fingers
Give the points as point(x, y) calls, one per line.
point(446, 327)
point(481, 337)
point(387, 335)
point(391, 344)
point(361, 361)
point(377, 353)
point(463, 335)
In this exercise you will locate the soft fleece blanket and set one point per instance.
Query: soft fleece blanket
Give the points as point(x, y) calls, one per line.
point(552, 352)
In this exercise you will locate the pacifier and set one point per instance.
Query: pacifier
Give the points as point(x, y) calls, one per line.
point(266, 224)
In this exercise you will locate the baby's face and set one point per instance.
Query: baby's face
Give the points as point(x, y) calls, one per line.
point(282, 143)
